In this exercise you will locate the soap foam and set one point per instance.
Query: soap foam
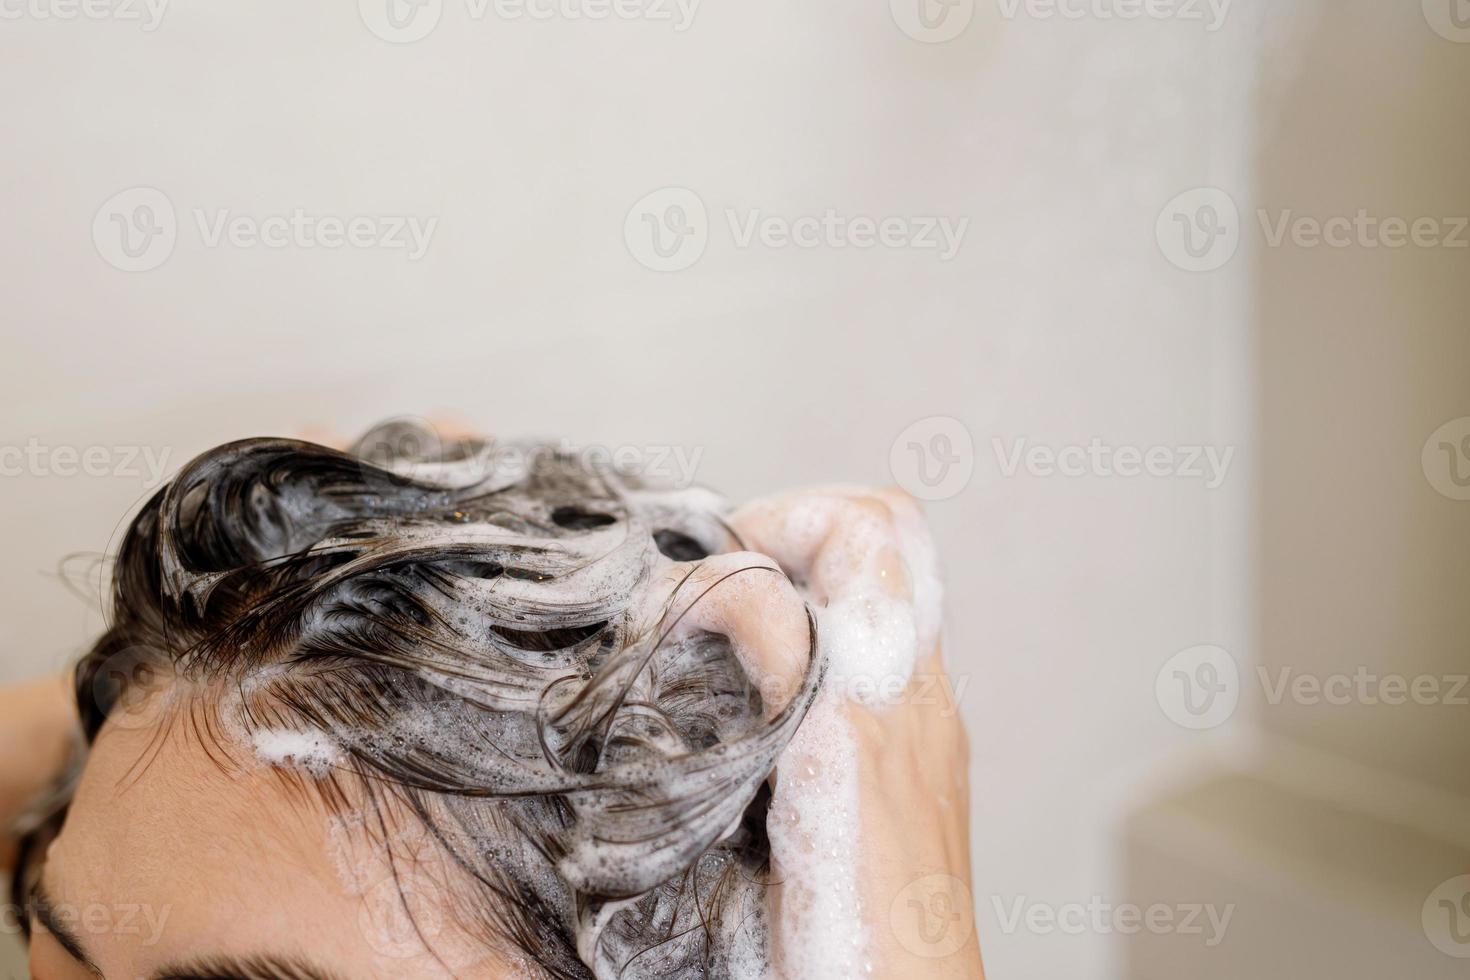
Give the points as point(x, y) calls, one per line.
point(814, 831)
point(875, 585)
point(869, 639)
point(311, 751)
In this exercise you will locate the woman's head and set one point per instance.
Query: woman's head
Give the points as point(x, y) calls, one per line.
point(410, 710)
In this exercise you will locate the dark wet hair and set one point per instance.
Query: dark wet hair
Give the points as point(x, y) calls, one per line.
point(478, 636)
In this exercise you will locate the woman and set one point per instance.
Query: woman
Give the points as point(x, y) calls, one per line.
point(453, 712)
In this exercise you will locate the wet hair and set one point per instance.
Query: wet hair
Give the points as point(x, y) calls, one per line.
point(496, 645)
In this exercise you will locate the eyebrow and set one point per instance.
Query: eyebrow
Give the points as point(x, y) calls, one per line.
point(257, 967)
point(43, 908)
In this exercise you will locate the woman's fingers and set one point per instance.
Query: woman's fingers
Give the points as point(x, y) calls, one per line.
point(832, 539)
point(437, 430)
point(747, 598)
point(865, 560)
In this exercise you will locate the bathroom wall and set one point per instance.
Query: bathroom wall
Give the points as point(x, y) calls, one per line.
point(1362, 353)
point(1339, 838)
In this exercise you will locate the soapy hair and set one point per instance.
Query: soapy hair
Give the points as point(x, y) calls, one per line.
point(473, 637)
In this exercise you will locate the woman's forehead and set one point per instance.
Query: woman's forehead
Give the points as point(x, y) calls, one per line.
point(230, 858)
point(150, 799)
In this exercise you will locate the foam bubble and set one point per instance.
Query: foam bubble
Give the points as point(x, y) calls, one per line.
point(813, 827)
point(870, 640)
point(875, 585)
point(311, 751)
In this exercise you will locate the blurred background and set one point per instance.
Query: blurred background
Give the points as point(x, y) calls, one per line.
point(1161, 304)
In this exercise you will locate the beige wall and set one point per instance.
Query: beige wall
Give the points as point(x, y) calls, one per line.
point(1363, 353)
point(1341, 839)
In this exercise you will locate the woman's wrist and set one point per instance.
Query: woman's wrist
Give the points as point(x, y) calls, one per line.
point(37, 731)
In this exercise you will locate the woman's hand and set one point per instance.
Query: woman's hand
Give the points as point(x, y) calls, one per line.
point(38, 723)
point(911, 753)
point(914, 843)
